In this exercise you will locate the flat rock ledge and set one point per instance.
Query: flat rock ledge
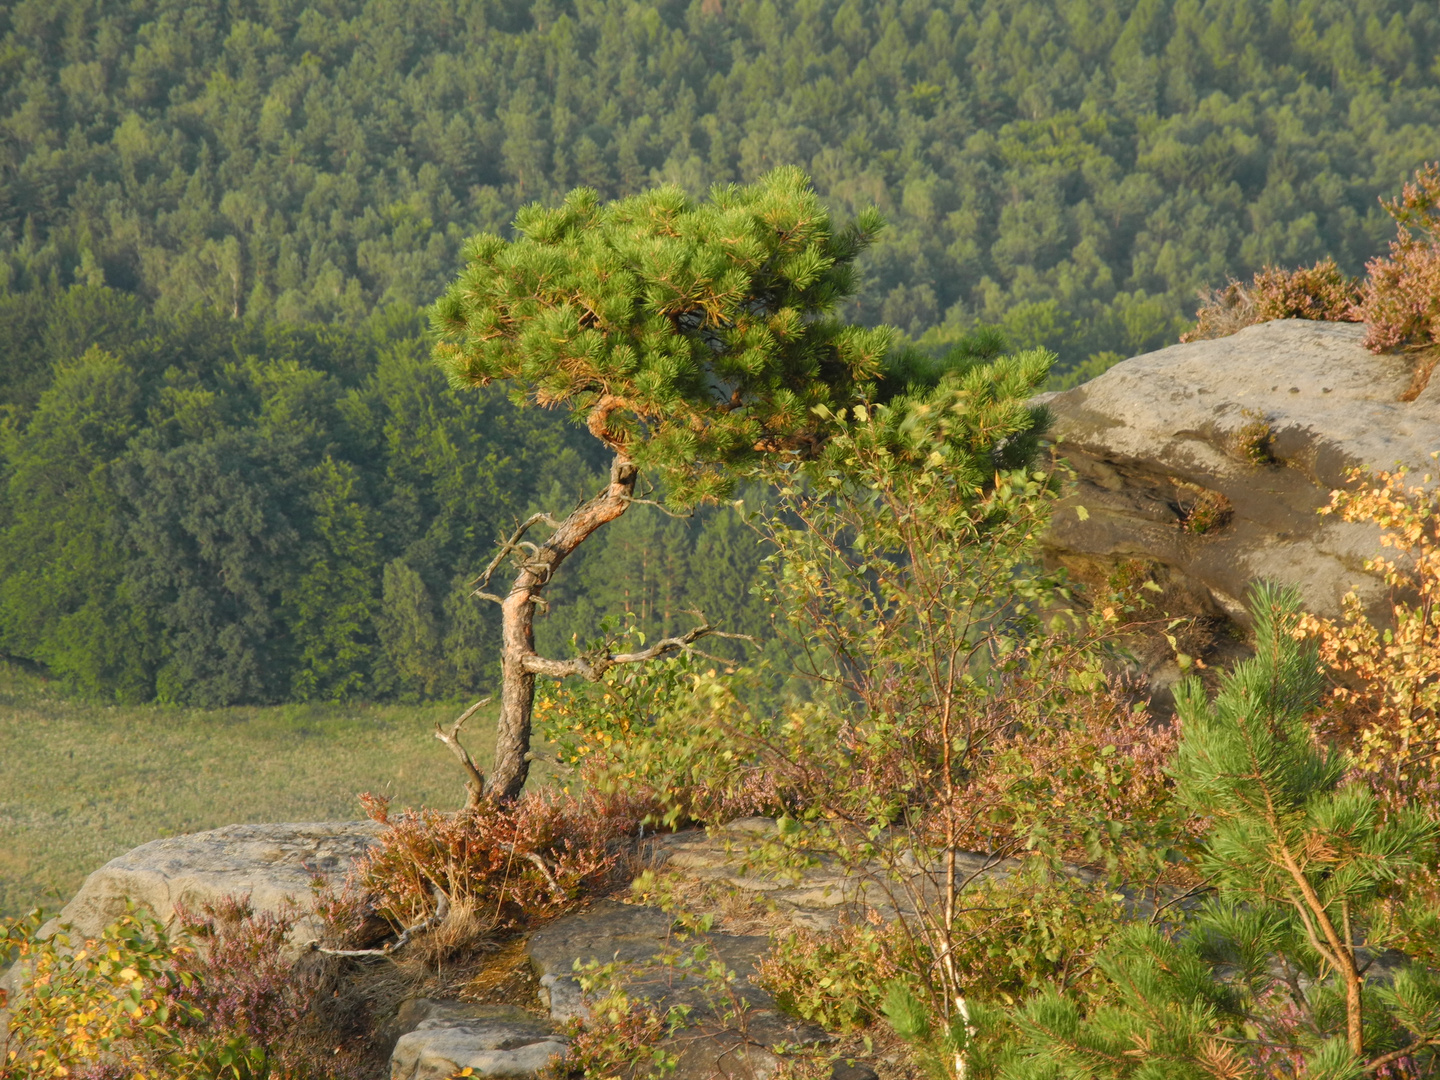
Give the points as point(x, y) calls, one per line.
point(734, 1031)
point(814, 898)
point(737, 1033)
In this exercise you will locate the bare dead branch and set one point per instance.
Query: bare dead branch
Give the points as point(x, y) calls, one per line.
point(544, 868)
point(512, 544)
point(475, 785)
point(442, 909)
point(594, 666)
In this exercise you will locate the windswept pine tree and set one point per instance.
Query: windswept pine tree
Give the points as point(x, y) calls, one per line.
point(691, 338)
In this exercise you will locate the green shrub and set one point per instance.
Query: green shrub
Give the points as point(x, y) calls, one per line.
point(836, 979)
point(1270, 976)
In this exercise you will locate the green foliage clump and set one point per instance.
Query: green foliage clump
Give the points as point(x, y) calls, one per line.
point(691, 336)
point(1271, 972)
point(837, 979)
point(207, 511)
point(144, 1003)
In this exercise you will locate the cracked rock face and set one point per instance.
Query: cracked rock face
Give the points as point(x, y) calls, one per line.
point(1208, 461)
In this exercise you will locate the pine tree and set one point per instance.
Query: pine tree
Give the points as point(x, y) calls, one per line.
point(1270, 976)
point(691, 338)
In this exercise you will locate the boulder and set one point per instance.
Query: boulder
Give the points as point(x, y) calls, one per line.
point(1203, 465)
point(274, 865)
point(444, 1044)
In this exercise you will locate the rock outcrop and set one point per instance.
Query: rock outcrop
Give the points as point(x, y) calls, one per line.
point(1205, 464)
point(274, 865)
point(733, 1029)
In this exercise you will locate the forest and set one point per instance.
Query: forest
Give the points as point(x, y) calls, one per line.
point(1073, 170)
point(220, 225)
point(309, 313)
point(210, 511)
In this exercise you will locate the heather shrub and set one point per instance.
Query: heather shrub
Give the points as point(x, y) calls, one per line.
point(1318, 292)
point(1400, 300)
point(245, 990)
point(140, 1003)
point(1085, 782)
point(493, 866)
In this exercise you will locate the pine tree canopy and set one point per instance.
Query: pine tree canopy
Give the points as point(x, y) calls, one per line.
point(691, 336)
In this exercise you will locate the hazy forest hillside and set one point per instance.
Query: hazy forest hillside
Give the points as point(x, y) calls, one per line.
point(230, 472)
point(1071, 169)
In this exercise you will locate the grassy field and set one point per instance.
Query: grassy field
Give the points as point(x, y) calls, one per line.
point(81, 783)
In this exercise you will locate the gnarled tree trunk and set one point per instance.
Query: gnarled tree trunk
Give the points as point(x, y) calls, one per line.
point(519, 662)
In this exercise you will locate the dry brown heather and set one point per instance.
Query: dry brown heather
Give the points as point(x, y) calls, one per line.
point(80, 783)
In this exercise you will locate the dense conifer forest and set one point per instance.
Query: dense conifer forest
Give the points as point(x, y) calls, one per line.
point(1071, 169)
point(231, 472)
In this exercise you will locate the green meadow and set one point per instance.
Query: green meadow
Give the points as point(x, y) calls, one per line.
point(81, 783)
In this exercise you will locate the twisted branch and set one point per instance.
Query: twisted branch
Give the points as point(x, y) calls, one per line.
point(515, 543)
point(475, 785)
point(594, 666)
point(442, 909)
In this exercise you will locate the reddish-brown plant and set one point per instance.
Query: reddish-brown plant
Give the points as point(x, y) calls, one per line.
point(513, 864)
point(1088, 785)
point(1401, 297)
point(1318, 292)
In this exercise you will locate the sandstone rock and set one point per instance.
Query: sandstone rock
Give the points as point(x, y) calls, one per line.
point(273, 865)
point(813, 898)
point(638, 936)
point(1164, 436)
point(415, 1011)
point(441, 1046)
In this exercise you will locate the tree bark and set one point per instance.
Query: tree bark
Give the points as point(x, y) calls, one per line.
point(518, 657)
